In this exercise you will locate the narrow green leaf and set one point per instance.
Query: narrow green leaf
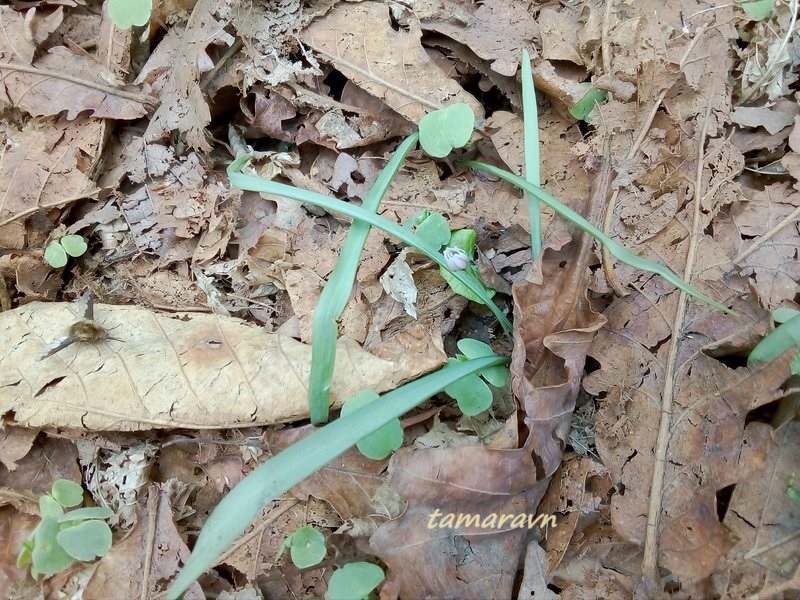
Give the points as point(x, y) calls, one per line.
point(777, 342)
point(615, 248)
point(530, 134)
point(584, 107)
point(303, 458)
point(458, 285)
point(257, 184)
point(336, 293)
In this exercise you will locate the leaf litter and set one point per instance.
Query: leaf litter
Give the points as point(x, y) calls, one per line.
point(692, 162)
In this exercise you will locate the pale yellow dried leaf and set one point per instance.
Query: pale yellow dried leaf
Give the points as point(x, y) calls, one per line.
point(168, 371)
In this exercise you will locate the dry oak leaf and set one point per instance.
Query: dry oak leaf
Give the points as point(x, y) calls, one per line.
point(358, 39)
point(61, 79)
point(496, 31)
point(167, 371)
point(149, 556)
point(42, 167)
point(772, 268)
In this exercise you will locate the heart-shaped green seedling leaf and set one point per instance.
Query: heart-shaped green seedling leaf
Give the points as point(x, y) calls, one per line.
point(74, 245)
point(48, 556)
point(307, 547)
point(497, 376)
point(434, 230)
point(442, 130)
point(55, 255)
point(415, 220)
point(94, 512)
point(758, 10)
point(127, 13)
point(67, 493)
point(471, 393)
point(49, 508)
point(384, 441)
point(783, 314)
point(87, 540)
point(583, 107)
point(354, 581)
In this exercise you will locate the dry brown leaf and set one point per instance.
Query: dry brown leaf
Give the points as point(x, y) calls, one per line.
point(141, 564)
point(50, 459)
point(765, 522)
point(174, 71)
point(15, 527)
point(348, 483)
point(43, 167)
point(773, 267)
point(465, 562)
point(359, 41)
point(15, 443)
point(496, 30)
point(193, 370)
point(61, 79)
point(710, 446)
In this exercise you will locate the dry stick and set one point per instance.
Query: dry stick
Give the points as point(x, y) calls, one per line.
point(760, 242)
point(608, 266)
point(55, 203)
point(650, 560)
point(142, 98)
point(152, 522)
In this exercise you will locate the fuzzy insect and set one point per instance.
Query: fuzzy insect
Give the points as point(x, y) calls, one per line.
point(86, 330)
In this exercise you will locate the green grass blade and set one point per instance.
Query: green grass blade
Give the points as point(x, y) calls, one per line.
point(257, 184)
point(776, 342)
point(303, 458)
point(337, 291)
point(615, 248)
point(530, 124)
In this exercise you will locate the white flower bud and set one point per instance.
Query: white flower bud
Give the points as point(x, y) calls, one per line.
point(455, 259)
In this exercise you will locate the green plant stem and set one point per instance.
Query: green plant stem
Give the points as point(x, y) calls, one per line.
point(530, 128)
point(257, 184)
point(615, 248)
point(337, 291)
point(303, 458)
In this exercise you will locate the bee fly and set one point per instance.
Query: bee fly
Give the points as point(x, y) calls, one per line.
point(86, 330)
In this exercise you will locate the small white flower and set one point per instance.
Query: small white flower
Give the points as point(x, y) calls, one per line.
point(455, 259)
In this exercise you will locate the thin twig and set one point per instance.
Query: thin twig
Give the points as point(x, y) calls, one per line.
point(141, 98)
point(650, 560)
point(766, 237)
point(608, 217)
point(55, 203)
